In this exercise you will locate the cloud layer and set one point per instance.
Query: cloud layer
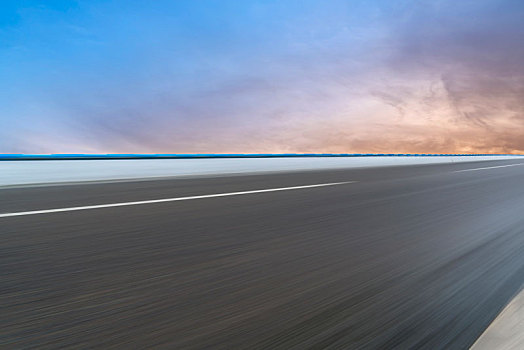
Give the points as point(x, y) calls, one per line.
point(263, 76)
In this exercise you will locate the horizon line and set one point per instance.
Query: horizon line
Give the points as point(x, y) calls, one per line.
point(95, 156)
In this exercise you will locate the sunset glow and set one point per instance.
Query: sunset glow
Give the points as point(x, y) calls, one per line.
point(262, 76)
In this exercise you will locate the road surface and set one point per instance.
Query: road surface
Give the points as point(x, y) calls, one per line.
point(401, 257)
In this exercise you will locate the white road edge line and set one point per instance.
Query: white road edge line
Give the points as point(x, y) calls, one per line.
point(123, 204)
point(489, 167)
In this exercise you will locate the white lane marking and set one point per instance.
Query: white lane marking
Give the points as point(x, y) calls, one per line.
point(489, 167)
point(123, 204)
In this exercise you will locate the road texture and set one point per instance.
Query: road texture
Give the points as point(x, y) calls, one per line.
point(418, 257)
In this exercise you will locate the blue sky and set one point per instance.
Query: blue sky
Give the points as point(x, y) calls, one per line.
point(261, 76)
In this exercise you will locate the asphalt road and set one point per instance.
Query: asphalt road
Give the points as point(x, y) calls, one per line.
point(403, 257)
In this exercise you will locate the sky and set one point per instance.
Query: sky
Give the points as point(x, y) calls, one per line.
point(262, 76)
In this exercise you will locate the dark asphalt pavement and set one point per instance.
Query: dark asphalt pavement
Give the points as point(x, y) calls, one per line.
point(419, 257)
